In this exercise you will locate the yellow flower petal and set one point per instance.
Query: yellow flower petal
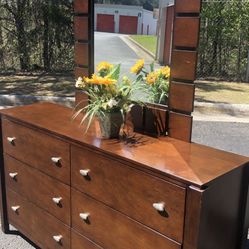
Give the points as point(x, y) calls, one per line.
point(138, 67)
point(152, 77)
point(165, 71)
point(104, 66)
point(98, 80)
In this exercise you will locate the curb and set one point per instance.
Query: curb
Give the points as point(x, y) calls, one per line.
point(143, 48)
point(230, 109)
point(14, 100)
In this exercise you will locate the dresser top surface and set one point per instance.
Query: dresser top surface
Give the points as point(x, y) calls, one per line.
point(188, 162)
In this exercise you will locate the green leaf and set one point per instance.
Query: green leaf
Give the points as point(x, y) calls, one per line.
point(115, 73)
point(152, 67)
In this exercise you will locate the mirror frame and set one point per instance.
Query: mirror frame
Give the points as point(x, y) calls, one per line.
point(177, 116)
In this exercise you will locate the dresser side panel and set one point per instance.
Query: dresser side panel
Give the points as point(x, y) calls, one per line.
point(222, 213)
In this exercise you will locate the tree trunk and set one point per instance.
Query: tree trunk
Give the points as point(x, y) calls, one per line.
point(46, 53)
point(2, 61)
point(21, 35)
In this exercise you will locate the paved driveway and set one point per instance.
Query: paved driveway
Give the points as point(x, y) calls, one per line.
point(116, 48)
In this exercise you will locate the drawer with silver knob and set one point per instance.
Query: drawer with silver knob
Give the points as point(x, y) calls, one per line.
point(37, 149)
point(152, 201)
point(112, 229)
point(42, 228)
point(46, 192)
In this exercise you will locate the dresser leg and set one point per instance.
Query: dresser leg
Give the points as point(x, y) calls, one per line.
point(3, 204)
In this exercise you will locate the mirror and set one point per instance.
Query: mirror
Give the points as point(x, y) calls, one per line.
point(128, 31)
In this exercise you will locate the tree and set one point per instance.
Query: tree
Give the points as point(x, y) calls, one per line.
point(36, 34)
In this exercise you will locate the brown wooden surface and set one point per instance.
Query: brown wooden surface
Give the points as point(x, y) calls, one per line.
point(81, 55)
point(84, 40)
point(180, 126)
point(186, 31)
point(81, 28)
point(105, 224)
point(188, 6)
point(109, 181)
point(182, 96)
point(81, 99)
point(222, 214)
point(81, 6)
point(186, 162)
point(81, 242)
point(170, 12)
point(80, 72)
point(155, 120)
point(192, 219)
point(137, 116)
point(36, 224)
point(183, 65)
point(38, 188)
point(36, 149)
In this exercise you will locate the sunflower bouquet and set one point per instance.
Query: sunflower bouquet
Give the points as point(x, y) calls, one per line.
point(110, 98)
point(157, 80)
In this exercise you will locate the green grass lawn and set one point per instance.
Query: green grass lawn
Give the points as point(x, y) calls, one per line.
point(147, 41)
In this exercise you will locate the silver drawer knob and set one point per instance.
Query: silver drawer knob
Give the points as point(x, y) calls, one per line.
point(13, 175)
point(85, 172)
point(58, 238)
point(57, 200)
point(56, 160)
point(11, 140)
point(84, 216)
point(15, 208)
point(159, 206)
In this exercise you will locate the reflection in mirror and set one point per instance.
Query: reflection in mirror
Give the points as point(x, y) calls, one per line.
point(133, 34)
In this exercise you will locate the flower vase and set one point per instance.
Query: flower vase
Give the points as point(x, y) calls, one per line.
point(110, 124)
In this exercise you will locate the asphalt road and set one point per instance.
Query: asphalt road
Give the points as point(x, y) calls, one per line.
point(228, 136)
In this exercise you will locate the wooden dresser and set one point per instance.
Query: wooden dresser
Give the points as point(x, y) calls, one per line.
point(62, 188)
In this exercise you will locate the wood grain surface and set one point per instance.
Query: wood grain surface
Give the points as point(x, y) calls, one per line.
point(130, 191)
point(37, 149)
point(105, 224)
point(186, 162)
point(39, 188)
point(80, 242)
point(37, 224)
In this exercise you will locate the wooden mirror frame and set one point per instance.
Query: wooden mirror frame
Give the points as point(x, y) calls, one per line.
point(178, 119)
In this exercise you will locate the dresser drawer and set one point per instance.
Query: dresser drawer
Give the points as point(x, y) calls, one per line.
point(81, 242)
point(111, 229)
point(130, 191)
point(47, 193)
point(43, 229)
point(37, 149)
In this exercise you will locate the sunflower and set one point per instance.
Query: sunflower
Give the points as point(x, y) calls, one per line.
point(104, 66)
point(152, 78)
point(165, 71)
point(98, 80)
point(138, 67)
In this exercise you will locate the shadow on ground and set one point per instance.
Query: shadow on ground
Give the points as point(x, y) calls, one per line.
point(222, 92)
point(38, 84)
